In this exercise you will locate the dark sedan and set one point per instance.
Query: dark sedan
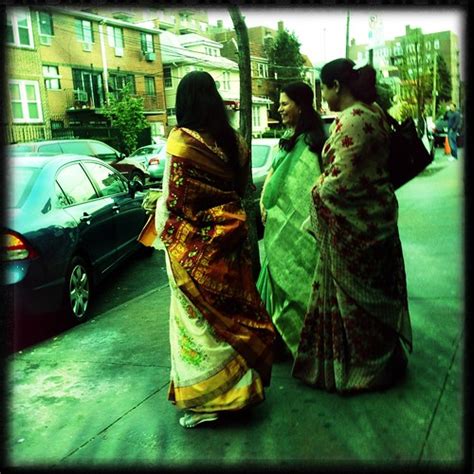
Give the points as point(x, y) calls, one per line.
point(70, 220)
point(86, 147)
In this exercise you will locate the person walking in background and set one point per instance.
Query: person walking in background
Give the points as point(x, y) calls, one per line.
point(220, 334)
point(290, 252)
point(454, 121)
point(357, 325)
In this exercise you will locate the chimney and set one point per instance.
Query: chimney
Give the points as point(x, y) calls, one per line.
point(280, 26)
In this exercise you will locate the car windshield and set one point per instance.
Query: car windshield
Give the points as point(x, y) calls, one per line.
point(259, 155)
point(20, 182)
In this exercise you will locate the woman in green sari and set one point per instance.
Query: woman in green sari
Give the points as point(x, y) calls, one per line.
point(290, 251)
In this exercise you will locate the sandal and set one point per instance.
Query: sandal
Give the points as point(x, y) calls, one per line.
point(191, 420)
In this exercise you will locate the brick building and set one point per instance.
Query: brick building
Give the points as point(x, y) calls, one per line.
point(63, 62)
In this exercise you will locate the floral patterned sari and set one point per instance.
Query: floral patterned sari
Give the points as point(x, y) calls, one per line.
point(220, 333)
point(358, 314)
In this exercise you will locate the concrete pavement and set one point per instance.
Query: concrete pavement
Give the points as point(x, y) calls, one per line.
point(96, 396)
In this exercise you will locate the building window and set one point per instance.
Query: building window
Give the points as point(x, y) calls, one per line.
point(428, 45)
point(167, 77)
point(436, 44)
point(45, 22)
point(84, 31)
point(147, 43)
point(171, 111)
point(118, 81)
point(150, 86)
point(115, 36)
point(19, 30)
point(226, 80)
point(25, 101)
point(262, 70)
point(256, 116)
point(88, 87)
point(51, 77)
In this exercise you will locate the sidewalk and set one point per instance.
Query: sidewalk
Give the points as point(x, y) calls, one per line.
point(96, 396)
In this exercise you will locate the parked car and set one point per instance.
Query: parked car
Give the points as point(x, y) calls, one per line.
point(152, 157)
point(70, 220)
point(263, 152)
point(95, 148)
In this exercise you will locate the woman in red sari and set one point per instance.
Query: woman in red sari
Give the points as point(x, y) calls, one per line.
point(220, 333)
point(357, 325)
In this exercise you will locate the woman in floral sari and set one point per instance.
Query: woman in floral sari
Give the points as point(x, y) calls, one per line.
point(357, 325)
point(221, 336)
point(290, 252)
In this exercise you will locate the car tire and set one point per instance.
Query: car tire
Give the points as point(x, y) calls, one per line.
point(137, 176)
point(78, 290)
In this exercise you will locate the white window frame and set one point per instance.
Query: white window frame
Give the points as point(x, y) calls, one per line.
point(39, 24)
point(51, 76)
point(226, 80)
point(436, 44)
point(256, 116)
point(168, 78)
point(149, 43)
point(113, 36)
point(24, 101)
point(12, 16)
point(83, 38)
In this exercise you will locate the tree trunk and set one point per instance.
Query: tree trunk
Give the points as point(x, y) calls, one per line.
point(250, 202)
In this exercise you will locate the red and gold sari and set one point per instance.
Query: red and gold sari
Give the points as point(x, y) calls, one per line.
point(220, 333)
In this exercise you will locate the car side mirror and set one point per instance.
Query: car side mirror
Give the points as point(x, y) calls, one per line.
point(135, 186)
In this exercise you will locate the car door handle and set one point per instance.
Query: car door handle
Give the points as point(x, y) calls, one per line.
point(85, 218)
point(116, 208)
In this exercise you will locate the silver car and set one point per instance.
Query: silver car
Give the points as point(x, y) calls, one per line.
point(152, 157)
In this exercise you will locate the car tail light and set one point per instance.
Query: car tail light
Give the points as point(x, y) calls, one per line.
point(154, 161)
point(15, 247)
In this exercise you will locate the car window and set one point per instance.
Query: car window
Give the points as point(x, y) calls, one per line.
point(259, 155)
point(60, 196)
point(142, 151)
point(76, 148)
point(75, 183)
point(21, 181)
point(50, 148)
point(103, 151)
point(19, 149)
point(108, 181)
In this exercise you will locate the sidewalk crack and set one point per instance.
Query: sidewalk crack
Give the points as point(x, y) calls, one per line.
point(438, 401)
point(113, 423)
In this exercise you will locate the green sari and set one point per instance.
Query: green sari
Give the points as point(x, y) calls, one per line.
point(291, 252)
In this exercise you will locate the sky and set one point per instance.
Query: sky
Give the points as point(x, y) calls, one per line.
point(322, 30)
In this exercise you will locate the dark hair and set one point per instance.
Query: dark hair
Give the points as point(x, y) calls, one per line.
point(360, 82)
point(200, 107)
point(309, 121)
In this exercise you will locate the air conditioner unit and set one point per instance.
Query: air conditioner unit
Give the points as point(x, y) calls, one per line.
point(46, 40)
point(150, 56)
point(118, 51)
point(86, 46)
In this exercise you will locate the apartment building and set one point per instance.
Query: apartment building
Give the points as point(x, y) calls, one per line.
point(389, 56)
point(190, 52)
point(63, 63)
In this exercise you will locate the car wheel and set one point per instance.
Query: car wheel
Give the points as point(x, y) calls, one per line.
point(78, 290)
point(138, 177)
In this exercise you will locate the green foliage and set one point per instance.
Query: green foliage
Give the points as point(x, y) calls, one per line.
point(443, 81)
point(285, 63)
point(126, 114)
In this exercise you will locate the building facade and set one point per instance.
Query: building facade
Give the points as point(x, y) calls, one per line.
point(69, 61)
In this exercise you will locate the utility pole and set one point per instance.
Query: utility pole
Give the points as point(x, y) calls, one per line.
point(104, 62)
point(347, 32)
point(435, 85)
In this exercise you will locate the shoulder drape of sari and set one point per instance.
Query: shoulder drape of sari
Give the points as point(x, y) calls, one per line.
point(205, 235)
point(355, 217)
point(290, 252)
